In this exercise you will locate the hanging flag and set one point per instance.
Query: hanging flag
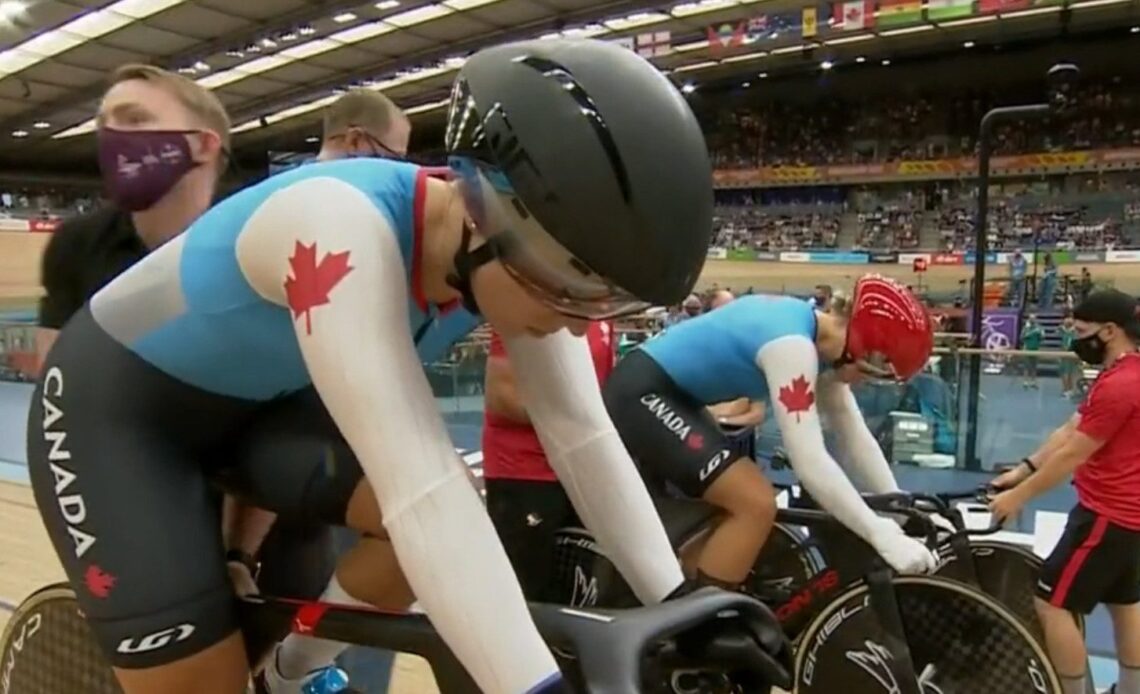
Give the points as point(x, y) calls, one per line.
point(655, 44)
point(625, 42)
point(853, 15)
point(937, 10)
point(893, 13)
point(726, 35)
point(810, 27)
point(999, 6)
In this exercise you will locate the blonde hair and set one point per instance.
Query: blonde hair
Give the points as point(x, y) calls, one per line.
point(361, 108)
point(198, 100)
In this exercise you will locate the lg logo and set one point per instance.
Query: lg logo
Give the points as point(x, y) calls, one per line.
point(157, 640)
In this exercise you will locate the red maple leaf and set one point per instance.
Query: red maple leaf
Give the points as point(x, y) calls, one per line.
point(99, 582)
point(797, 397)
point(311, 282)
point(695, 441)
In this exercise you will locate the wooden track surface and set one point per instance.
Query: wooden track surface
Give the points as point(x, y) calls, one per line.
point(27, 561)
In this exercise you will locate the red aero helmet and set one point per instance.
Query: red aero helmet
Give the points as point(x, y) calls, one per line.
point(887, 319)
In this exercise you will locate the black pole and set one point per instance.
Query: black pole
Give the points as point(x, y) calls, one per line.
point(981, 246)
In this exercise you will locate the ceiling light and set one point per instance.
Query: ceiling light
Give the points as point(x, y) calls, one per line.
point(967, 44)
point(344, 17)
point(19, 133)
point(312, 139)
point(746, 85)
point(763, 75)
point(826, 65)
point(689, 88)
point(387, 4)
point(41, 125)
point(306, 31)
point(860, 59)
point(1135, 30)
point(10, 9)
point(886, 61)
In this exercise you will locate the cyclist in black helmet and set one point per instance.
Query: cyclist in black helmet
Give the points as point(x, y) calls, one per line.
point(277, 346)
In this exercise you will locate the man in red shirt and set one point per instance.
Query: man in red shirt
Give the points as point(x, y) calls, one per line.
point(1098, 557)
point(525, 501)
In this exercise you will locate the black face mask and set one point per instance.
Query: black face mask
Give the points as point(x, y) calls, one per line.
point(1090, 349)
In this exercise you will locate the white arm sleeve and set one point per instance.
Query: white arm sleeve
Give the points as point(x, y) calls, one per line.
point(865, 462)
point(791, 366)
point(556, 380)
point(359, 352)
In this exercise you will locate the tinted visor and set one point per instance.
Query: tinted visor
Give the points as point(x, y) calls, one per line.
point(530, 254)
point(874, 367)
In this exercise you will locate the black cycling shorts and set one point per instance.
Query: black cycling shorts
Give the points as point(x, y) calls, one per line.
point(528, 515)
point(1095, 561)
point(671, 434)
point(121, 458)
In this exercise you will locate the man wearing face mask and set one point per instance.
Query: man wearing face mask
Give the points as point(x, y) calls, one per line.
point(1097, 560)
point(364, 123)
point(163, 143)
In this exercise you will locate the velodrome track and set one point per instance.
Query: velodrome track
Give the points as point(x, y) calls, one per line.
point(20, 261)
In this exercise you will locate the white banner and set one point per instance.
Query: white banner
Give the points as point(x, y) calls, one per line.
point(1122, 256)
point(909, 258)
point(717, 253)
point(10, 224)
point(789, 257)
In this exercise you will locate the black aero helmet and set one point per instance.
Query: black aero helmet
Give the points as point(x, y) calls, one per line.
point(585, 169)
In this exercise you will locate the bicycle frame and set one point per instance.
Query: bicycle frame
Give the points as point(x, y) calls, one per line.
point(370, 628)
point(805, 605)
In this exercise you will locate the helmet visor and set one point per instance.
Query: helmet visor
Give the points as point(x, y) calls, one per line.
point(877, 367)
point(530, 254)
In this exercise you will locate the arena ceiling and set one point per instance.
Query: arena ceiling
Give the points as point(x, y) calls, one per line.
point(275, 63)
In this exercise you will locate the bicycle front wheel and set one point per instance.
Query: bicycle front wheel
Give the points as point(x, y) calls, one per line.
point(47, 648)
point(1006, 573)
point(961, 641)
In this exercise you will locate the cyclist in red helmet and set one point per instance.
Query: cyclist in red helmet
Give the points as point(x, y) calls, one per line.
point(800, 359)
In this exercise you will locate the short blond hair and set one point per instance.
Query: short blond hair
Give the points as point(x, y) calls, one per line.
point(198, 100)
point(367, 109)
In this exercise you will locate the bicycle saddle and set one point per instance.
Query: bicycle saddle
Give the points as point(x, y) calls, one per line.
point(612, 645)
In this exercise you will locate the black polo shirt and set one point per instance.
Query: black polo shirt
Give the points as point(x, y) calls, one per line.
point(84, 254)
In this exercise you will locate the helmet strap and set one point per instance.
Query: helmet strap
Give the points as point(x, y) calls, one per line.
point(466, 262)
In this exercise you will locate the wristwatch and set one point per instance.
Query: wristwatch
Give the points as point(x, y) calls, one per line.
point(1029, 464)
point(244, 558)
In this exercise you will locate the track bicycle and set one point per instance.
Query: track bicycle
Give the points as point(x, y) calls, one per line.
point(47, 647)
point(857, 626)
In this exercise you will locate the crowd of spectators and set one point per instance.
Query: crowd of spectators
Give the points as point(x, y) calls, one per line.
point(758, 229)
point(841, 131)
point(889, 227)
point(1012, 226)
point(29, 202)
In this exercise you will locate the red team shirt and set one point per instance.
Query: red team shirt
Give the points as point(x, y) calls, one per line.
point(511, 450)
point(1109, 482)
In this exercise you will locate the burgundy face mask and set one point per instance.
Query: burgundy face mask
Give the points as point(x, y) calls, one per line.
point(141, 166)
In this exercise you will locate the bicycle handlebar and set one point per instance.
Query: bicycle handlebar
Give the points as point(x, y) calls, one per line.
point(612, 645)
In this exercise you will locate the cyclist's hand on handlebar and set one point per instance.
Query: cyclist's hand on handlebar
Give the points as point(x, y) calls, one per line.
point(1007, 505)
point(904, 554)
point(242, 579)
